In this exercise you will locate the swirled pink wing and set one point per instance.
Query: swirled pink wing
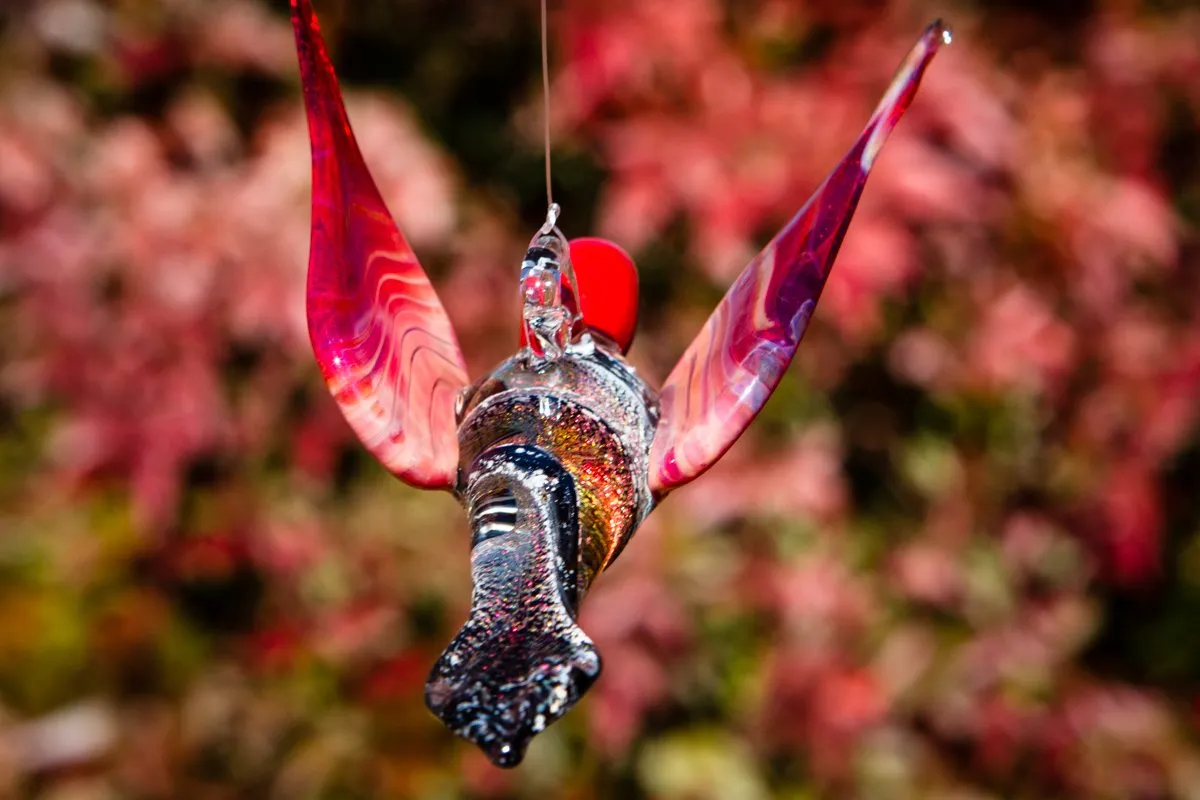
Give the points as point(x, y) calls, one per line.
point(380, 334)
point(730, 369)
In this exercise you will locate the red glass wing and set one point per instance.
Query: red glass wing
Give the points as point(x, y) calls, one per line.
point(384, 343)
point(728, 372)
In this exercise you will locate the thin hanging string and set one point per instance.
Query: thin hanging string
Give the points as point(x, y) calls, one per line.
point(551, 208)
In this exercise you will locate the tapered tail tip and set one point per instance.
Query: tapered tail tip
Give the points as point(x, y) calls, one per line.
point(499, 697)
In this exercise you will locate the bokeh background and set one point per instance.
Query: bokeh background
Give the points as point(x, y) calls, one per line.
point(958, 556)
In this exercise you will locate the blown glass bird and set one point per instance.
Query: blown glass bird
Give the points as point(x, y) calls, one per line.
point(563, 450)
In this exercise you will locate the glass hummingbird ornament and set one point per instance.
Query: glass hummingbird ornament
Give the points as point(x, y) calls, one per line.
point(561, 452)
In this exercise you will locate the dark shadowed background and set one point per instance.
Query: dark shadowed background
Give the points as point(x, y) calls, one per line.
point(957, 557)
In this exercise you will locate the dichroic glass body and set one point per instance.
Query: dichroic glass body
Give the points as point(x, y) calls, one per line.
point(728, 372)
point(554, 477)
point(383, 341)
point(520, 661)
point(592, 413)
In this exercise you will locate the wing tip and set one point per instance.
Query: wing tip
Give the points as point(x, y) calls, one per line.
point(903, 89)
point(938, 29)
